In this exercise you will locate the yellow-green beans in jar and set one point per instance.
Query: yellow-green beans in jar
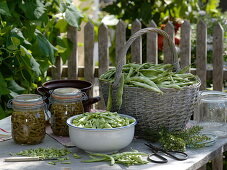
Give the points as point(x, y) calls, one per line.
point(28, 119)
point(65, 103)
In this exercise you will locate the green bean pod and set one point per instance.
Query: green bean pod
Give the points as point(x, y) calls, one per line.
point(131, 71)
point(146, 81)
point(109, 101)
point(120, 92)
point(144, 85)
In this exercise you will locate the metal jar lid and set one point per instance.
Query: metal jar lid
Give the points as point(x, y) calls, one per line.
point(26, 101)
point(68, 94)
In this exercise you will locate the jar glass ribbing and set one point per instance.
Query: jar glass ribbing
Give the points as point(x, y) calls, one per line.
point(28, 119)
point(65, 102)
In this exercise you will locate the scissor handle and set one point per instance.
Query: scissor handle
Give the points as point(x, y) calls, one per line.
point(161, 158)
point(178, 155)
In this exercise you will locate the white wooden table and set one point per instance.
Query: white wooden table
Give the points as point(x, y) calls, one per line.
point(197, 157)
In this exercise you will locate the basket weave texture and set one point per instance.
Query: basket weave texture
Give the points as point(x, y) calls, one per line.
point(171, 110)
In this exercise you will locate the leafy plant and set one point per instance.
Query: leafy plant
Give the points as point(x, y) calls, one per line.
point(157, 10)
point(30, 41)
point(178, 140)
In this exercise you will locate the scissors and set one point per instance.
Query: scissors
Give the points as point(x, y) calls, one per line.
point(178, 155)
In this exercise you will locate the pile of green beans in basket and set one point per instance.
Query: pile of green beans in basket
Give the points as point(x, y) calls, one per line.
point(153, 77)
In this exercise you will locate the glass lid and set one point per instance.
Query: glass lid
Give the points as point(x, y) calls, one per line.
point(67, 94)
point(27, 100)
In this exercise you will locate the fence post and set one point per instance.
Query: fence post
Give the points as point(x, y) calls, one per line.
point(103, 57)
point(103, 49)
point(136, 47)
point(202, 167)
point(120, 38)
point(168, 56)
point(217, 163)
point(185, 45)
point(218, 41)
point(73, 61)
point(57, 70)
point(88, 54)
point(152, 45)
point(201, 53)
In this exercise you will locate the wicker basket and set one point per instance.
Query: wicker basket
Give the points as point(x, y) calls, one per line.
point(172, 110)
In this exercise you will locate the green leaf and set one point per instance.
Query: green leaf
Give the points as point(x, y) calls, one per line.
point(63, 6)
point(62, 25)
point(73, 16)
point(212, 5)
point(24, 51)
point(12, 47)
point(33, 9)
point(60, 49)
point(15, 32)
point(13, 94)
point(3, 86)
point(44, 65)
point(12, 85)
point(1, 58)
point(64, 43)
point(35, 66)
point(4, 10)
point(2, 113)
point(40, 9)
point(26, 55)
point(15, 41)
point(45, 47)
point(31, 63)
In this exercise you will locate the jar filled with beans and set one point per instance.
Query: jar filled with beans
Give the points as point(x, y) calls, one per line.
point(65, 102)
point(28, 119)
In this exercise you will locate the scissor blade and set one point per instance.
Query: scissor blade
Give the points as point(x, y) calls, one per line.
point(153, 148)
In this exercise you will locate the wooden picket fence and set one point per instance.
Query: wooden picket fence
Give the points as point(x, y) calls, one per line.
point(218, 74)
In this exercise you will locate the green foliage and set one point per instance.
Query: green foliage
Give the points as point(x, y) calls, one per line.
point(160, 10)
point(178, 140)
point(30, 39)
point(157, 10)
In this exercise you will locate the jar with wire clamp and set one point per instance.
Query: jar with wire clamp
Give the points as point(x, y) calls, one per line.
point(28, 119)
point(64, 103)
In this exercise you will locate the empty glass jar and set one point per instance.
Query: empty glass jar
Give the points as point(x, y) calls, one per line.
point(28, 119)
point(65, 102)
point(212, 109)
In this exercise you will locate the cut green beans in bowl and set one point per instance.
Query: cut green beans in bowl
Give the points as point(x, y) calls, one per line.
point(102, 120)
point(101, 132)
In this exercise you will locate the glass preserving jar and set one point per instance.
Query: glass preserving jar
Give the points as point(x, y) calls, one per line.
point(213, 111)
point(212, 107)
point(28, 119)
point(65, 103)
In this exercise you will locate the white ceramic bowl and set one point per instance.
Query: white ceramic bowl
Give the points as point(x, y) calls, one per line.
point(101, 140)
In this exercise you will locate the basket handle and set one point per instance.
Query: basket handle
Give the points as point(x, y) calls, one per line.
point(125, 48)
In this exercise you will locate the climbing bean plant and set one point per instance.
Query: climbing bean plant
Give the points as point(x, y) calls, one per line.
point(30, 40)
